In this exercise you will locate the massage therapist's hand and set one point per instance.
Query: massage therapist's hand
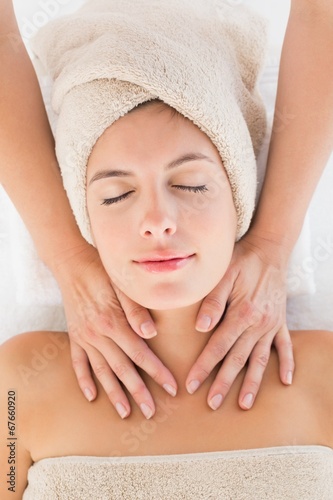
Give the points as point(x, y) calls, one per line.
point(102, 336)
point(252, 295)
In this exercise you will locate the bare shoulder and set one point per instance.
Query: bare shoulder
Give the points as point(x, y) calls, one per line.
point(20, 343)
point(313, 345)
point(28, 363)
point(36, 366)
point(26, 356)
point(32, 346)
point(313, 351)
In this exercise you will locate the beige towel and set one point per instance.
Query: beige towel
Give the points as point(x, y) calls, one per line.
point(281, 473)
point(201, 57)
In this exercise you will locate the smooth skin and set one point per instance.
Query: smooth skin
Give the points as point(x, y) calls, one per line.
point(49, 402)
point(96, 320)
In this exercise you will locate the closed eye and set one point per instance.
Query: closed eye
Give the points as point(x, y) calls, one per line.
point(192, 189)
point(110, 201)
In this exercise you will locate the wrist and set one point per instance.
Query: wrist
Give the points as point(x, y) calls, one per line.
point(72, 260)
point(270, 246)
point(276, 230)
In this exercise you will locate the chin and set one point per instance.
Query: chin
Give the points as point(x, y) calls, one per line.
point(167, 297)
point(166, 305)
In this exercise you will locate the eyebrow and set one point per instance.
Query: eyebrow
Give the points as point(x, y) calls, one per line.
point(188, 157)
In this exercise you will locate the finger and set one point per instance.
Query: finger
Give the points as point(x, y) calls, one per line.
point(216, 349)
point(213, 306)
point(137, 316)
point(109, 383)
point(284, 349)
point(82, 371)
point(122, 369)
point(232, 365)
point(144, 358)
point(254, 374)
point(137, 350)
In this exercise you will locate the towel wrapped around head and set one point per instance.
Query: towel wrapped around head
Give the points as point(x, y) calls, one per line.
point(201, 57)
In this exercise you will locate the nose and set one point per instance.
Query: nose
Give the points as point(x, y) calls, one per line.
point(157, 222)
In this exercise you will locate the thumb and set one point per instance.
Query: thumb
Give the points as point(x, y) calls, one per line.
point(213, 306)
point(137, 316)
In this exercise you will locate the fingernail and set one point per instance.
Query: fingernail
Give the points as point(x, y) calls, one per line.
point(289, 378)
point(193, 386)
point(121, 410)
point(248, 400)
point(88, 394)
point(170, 389)
point(215, 402)
point(148, 329)
point(204, 323)
point(146, 410)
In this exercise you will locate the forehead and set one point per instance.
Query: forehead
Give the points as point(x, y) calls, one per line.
point(151, 133)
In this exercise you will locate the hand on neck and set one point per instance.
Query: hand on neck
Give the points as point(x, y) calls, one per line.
point(177, 343)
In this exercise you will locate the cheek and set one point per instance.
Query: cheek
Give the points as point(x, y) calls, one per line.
point(109, 233)
point(214, 209)
point(112, 241)
point(216, 228)
point(111, 238)
point(212, 217)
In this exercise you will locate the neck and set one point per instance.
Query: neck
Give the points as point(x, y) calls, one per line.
point(177, 343)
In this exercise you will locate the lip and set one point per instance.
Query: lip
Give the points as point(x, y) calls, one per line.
point(164, 263)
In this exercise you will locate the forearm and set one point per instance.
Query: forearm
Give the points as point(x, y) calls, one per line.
point(28, 167)
point(302, 135)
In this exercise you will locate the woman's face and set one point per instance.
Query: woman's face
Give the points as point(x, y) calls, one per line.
point(161, 208)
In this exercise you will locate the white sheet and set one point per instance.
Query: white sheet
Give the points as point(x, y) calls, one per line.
point(29, 296)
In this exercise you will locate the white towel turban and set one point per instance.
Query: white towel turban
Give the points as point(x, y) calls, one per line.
point(202, 57)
